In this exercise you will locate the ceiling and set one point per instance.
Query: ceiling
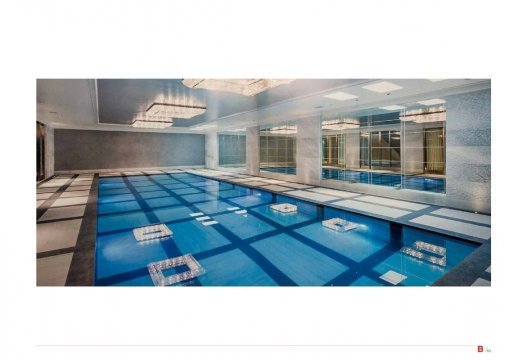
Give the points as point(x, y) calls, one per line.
point(112, 104)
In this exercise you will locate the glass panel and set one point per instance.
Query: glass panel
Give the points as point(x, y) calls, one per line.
point(278, 148)
point(424, 148)
point(400, 149)
point(232, 148)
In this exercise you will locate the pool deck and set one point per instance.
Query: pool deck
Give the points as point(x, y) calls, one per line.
point(67, 211)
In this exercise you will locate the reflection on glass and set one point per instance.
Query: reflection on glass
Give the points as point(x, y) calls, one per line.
point(278, 147)
point(232, 148)
point(399, 149)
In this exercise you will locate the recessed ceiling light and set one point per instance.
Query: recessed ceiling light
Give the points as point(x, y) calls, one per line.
point(341, 96)
point(432, 102)
point(436, 80)
point(382, 87)
point(393, 107)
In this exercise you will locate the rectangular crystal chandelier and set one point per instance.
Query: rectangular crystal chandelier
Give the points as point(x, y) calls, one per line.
point(175, 110)
point(284, 208)
point(284, 129)
point(152, 232)
point(340, 225)
point(420, 116)
point(152, 122)
point(246, 87)
point(340, 124)
point(425, 251)
point(156, 269)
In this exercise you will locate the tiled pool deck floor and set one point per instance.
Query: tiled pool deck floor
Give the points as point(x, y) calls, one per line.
point(66, 222)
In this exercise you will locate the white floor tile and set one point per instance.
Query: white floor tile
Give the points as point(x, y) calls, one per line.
point(63, 213)
point(68, 194)
point(44, 196)
point(79, 200)
point(275, 188)
point(391, 202)
point(372, 208)
point(311, 195)
point(338, 193)
point(297, 186)
point(393, 277)
point(53, 270)
point(464, 215)
point(255, 183)
point(57, 235)
point(460, 227)
point(273, 181)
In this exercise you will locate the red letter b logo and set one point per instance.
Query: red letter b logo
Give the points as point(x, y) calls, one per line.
point(479, 348)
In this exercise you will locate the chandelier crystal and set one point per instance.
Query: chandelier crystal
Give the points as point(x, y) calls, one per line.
point(340, 124)
point(246, 87)
point(284, 129)
point(152, 122)
point(175, 110)
point(420, 116)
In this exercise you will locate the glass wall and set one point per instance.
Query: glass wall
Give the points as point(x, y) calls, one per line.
point(232, 148)
point(278, 148)
point(401, 149)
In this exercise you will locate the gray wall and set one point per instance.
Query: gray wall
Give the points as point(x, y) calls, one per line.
point(95, 150)
point(468, 150)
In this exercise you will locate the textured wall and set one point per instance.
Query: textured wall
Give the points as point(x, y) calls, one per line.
point(253, 150)
point(211, 150)
point(352, 150)
point(309, 158)
point(90, 150)
point(468, 150)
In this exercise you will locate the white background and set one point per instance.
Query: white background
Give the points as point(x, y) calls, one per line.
point(239, 39)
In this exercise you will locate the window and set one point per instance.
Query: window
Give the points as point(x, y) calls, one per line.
point(399, 149)
point(278, 148)
point(232, 148)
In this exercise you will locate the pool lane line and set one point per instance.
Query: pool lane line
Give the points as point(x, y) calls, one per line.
point(82, 269)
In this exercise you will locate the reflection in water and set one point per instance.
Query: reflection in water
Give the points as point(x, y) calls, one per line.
point(156, 270)
point(425, 251)
point(152, 232)
point(284, 208)
point(339, 224)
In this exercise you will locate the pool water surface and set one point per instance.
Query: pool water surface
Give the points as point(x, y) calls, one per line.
point(239, 240)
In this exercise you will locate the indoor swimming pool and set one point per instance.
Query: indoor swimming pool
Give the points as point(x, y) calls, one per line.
point(211, 233)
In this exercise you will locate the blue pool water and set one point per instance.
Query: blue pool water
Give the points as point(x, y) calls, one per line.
point(260, 247)
point(395, 180)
